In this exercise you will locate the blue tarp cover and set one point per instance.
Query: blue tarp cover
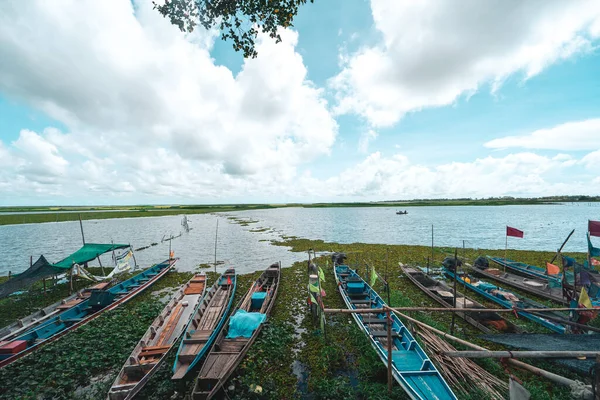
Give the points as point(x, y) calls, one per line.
point(243, 323)
point(486, 286)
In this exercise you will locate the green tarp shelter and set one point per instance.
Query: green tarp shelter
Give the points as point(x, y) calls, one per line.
point(42, 268)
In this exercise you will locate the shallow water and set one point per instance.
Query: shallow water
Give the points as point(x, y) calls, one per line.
point(545, 227)
point(236, 245)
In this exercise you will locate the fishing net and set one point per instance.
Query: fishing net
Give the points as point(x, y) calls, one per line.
point(540, 342)
point(243, 324)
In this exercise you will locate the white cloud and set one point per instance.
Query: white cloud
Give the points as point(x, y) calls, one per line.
point(521, 174)
point(126, 82)
point(432, 52)
point(592, 160)
point(579, 135)
point(41, 159)
point(365, 139)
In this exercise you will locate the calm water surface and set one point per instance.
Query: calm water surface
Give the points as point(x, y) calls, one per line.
point(545, 227)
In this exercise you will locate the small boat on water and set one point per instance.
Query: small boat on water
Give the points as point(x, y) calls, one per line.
point(411, 367)
point(487, 322)
point(240, 331)
point(31, 321)
point(62, 323)
point(401, 212)
point(205, 324)
point(158, 340)
point(510, 300)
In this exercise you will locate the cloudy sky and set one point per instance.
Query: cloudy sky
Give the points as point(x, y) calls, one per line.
point(104, 102)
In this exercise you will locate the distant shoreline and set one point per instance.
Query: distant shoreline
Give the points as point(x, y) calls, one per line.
point(41, 214)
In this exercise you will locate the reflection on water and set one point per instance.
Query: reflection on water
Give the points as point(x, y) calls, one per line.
point(545, 227)
point(236, 245)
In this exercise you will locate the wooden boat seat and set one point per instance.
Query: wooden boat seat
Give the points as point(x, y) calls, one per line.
point(69, 304)
point(201, 334)
point(125, 386)
point(194, 341)
point(152, 351)
point(383, 334)
point(71, 320)
point(360, 301)
point(195, 287)
point(100, 286)
point(363, 294)
point(372, 321)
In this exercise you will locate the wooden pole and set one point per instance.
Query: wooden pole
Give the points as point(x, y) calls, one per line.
point(443, 309)
point(597, 378)
point(389, 350)
point(454, 302)
point(133, 255)
point(387, 277)
point(505, 249)
point(216, 235)
point(522, 354)
point(81, 226)
point(432, 243)
point(561, 247)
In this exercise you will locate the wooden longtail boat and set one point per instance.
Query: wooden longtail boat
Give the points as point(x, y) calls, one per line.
point(79, 315)
point(508, 299)
point(487, 322)
point(205, 324)
point(230, 347)
point(158, 340)
point(411, 367)
point(536, 286)
point(527, 270)
point(31, 321)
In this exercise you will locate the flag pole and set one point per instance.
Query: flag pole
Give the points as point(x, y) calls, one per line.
point(505, 248)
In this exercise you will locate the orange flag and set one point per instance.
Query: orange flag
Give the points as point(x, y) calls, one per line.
point(552, 269)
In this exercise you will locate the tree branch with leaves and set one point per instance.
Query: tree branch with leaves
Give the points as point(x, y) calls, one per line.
point(238, 20)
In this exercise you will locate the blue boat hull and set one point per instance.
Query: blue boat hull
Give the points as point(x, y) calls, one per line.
point(411, 367)
point(556, 327)
point(84, 312)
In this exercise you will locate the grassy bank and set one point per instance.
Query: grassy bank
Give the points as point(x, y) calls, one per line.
point(60, 214)
point(291, 359)
point(18, 215)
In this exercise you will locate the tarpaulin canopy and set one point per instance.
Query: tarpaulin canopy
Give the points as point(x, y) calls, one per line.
point(88, 252)
point(43, 269)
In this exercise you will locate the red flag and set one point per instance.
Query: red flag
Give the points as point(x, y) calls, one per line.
point(594, 228)
point(513, 232)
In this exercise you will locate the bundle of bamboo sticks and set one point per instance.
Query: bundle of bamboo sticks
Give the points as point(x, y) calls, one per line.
point(462, 373)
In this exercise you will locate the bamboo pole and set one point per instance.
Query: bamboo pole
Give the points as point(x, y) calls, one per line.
point(443, 309)
point(519, 364)
point(522, 354)
point(454, 289)
point(389, 351)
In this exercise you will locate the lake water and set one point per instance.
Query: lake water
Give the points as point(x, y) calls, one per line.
point(545, 227)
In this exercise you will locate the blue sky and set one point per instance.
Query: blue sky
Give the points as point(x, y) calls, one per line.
point(363, 101)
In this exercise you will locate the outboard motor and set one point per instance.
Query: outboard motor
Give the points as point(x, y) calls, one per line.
point(481, 263)
point(450, 263)
point(338, 258)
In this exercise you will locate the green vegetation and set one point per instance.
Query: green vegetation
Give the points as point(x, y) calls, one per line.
point(71, 213)
point(291, 357)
